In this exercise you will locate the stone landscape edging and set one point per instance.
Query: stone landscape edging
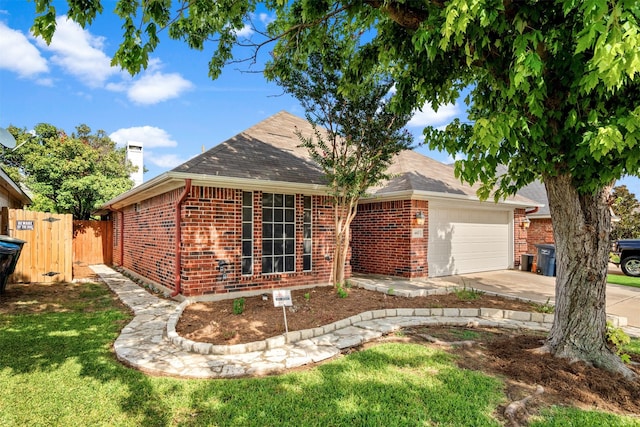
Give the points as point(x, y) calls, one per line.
point(481, 315)
point(467, 315)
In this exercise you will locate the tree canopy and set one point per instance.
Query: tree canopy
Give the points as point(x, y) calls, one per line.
point(627, 209)
point(68, 174)
point(357, 135)
point(554, 94)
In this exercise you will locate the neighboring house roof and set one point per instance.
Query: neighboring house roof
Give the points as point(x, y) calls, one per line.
point(268, 156)
point(538, 193)
point(13, 188)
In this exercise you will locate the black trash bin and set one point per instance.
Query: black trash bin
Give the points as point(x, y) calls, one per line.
point(12, 242)
point(526, 262)
point(7, 257)
point(546, 260)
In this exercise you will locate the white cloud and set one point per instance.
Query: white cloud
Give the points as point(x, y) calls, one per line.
point(154, 87)
point(166, 161)
point(19, 55)
point(245, 31)
point(149, 136)
point(266, 18)
point(79, 53)
point(428, 117)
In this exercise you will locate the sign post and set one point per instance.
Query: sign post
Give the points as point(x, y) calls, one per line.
point(282, 298)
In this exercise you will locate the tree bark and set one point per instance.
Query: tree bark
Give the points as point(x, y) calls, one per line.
point(581, 227)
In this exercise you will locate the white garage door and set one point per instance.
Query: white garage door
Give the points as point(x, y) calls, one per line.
point(468, 241)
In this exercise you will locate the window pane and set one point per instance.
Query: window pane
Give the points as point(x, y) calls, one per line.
point(306, 262)
point(290, 201)
point(278, 247)
point(278, 265)
point(247, 214)
point(278, 231)
point(289, 215)
point(267, 199)
point(290, 263)
point(247, 248)
point(290, 230)
point(246, 230)
point(247, 198)
point(267, 231)
point(307, 202)
point(307, 216)
point(307, 246)
point(307, 231)
point(267, 215)
point(247, 266)
point(267, 247)
point(267, 265)
point(289, 247)
point(278, 215)
point(278, 200)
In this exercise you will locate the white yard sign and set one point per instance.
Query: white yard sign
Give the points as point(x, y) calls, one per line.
point(282, 298)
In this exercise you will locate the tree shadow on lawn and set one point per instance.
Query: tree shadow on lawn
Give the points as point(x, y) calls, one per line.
point(388, 384)
point(76, 346)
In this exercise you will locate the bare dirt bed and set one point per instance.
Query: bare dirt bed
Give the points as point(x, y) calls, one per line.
point(505, 353)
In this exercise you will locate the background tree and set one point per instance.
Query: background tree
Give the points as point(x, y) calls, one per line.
point(356, 133)
point(627, 209)
point(68, 174)
point(554, 94)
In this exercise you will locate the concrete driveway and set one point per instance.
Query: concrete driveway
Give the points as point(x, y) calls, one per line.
point(621, 300)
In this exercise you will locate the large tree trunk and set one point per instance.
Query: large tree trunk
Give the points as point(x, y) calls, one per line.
point(581, 226)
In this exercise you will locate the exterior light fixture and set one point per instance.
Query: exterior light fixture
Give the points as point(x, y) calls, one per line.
point(420, 218)
point(526, 222)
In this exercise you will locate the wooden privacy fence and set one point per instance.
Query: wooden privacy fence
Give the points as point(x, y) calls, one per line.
point(54, 243)
point(92, 242)
point(46, 256)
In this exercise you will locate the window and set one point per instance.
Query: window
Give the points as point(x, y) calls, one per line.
point(306, 230)
point(247, 232)
point(278, 233)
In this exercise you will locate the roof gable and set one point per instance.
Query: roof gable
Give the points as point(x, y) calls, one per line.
point(269, 150)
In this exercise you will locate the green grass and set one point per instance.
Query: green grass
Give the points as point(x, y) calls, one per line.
point(58, 369)
point(619, 279)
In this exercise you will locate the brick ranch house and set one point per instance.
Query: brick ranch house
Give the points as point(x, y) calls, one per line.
point(252, 213)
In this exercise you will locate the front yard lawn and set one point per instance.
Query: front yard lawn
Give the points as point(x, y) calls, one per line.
point(58, 369)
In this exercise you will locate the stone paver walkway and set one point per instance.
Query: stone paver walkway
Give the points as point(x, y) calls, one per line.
point(149, 342)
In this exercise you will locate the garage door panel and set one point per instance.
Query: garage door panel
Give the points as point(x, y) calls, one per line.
point(465, 241)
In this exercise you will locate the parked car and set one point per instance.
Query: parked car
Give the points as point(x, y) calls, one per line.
point(628, 251)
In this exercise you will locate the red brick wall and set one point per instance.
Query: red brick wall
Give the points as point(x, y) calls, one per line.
point(540, 231)
point(520, 235)
point(381, 241)
point(212, 231)
point(149, 232)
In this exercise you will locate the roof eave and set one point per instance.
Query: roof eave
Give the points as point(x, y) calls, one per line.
point(435, 196)
point(169, 181)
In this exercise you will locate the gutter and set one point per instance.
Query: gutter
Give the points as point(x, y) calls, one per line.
point(532, 211)
point(178, 238)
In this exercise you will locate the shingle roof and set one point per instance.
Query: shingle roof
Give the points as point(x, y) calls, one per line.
point(268, 150)
point(538, 193)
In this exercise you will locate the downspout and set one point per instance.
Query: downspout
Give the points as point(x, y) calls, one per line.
point(536, 209)
point(181, 199)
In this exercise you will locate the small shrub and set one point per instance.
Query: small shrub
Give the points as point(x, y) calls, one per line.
point(544, 308)
point(391, 291)
point(468, 294)
point(238, 306)
point(618, 339)
point(342, 292)
point(307, 296)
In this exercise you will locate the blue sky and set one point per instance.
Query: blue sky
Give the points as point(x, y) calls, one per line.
point(173, 107)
